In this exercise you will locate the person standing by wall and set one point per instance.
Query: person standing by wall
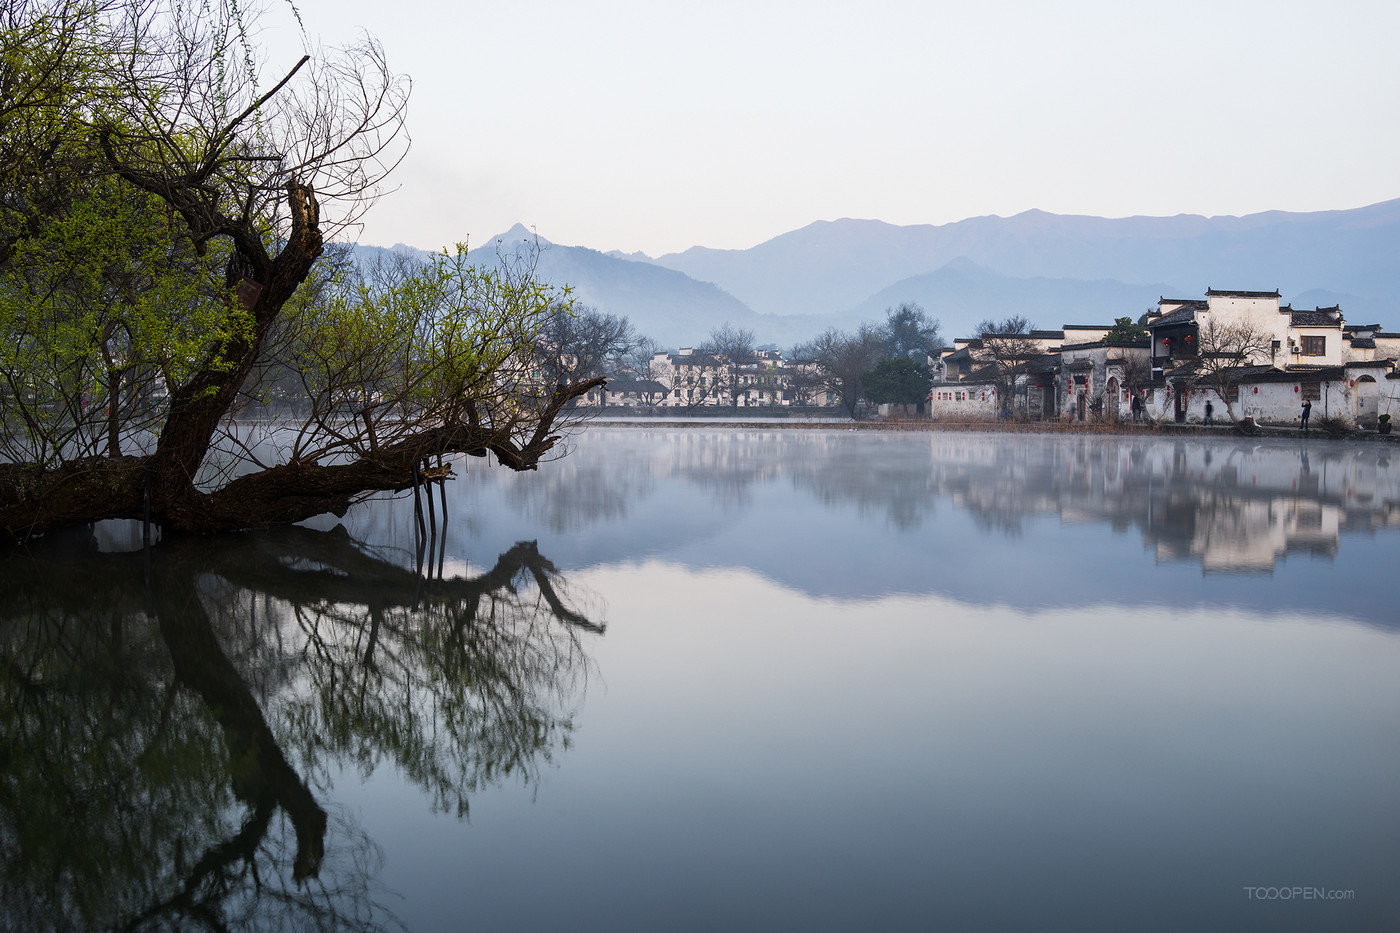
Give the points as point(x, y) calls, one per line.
point(1307, 410)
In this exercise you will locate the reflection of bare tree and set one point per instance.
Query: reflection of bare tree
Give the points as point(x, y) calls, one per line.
point(157, 769)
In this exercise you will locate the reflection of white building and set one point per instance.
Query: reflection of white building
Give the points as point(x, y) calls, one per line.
point(1232, 507)
point(1252, 534)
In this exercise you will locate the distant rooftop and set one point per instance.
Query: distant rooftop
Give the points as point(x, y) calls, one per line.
point(1227, 293)
point(1322, 317)
point(1179, 316)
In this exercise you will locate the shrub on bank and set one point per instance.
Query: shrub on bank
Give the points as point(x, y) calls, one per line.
point(1333, 426)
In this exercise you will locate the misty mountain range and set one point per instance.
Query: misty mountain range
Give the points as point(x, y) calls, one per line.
point(1053, 269)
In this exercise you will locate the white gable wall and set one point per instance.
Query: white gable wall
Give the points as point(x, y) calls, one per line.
point(1262, 313)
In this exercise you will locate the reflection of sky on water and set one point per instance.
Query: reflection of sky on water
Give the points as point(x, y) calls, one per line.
point(1021, 519)
point(862, 681)
point(751, 758)
point(904, 682)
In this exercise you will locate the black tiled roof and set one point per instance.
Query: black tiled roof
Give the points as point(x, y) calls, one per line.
point(1179, 316)
point(1142, 343)
point(1229, 293)
point(974, 344)
point(1293, 374)
point(1318, 318)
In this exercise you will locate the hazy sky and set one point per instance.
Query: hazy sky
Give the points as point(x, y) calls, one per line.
point(657, 126)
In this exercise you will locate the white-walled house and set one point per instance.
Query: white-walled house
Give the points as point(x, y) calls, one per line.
point(1099, 378)
point(970, 364)
point(964, 401)
point(1364, 342)
point(693, 379)
point(1294, 355)
point(1305, 355)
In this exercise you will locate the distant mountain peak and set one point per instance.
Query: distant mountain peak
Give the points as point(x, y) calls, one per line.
point(518, 233)
point(638, 256)
point(964, 264)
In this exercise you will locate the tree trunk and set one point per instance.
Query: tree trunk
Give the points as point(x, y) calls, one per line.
point(114, 393)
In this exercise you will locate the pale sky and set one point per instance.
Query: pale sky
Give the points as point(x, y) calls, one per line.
point(657, 126)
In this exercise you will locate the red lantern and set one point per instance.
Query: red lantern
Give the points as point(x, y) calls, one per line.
point(1190, 339)
point(1295, 388)
point(1256, 390)
point(1166, 341)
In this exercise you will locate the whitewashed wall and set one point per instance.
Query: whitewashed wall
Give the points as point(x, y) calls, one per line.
point(1276, 402)
point(960, 401)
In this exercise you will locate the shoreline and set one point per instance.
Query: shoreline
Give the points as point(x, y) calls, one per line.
point(1122, 429)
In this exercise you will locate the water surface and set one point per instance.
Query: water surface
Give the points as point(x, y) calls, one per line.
point(703, 678)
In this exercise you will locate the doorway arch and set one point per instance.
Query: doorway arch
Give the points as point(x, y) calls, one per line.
point(1364, 397)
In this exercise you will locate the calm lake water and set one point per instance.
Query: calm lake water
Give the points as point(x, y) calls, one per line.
point(703, 679)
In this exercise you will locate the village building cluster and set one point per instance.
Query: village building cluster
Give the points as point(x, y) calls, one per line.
point(691, 379)
point(1233, 354)
point(1229, 356)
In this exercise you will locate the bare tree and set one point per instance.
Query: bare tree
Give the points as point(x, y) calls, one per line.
point(1226, 352)
point(1011, 348)
point(841, 361)
point(802, 379)
point(581, 342)
point(732, 351)
point(647, 366)
point(1137, 375)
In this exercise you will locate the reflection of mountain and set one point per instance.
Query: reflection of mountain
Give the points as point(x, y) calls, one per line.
point(969, 515)
point(148, 757)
